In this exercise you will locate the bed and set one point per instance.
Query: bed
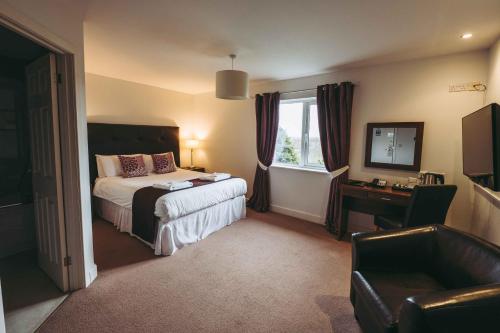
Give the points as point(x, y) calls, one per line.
point(182, 217)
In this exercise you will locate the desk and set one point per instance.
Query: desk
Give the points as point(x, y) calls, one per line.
point(370, 200)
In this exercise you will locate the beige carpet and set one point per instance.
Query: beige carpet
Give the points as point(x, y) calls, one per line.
point(267, 273)
point(29, 295)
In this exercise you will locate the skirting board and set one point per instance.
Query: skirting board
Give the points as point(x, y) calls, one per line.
point(92, 274)
point(298, 214)
point(357, 222)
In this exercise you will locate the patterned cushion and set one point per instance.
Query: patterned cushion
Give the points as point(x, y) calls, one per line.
point(164, 163)
point(132, 166)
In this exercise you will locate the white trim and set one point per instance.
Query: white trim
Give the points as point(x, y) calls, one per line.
point(298, 168)
point(298, 214)
point(71, 175)
point(2, 316)
point(92, 273)
point(493, 197)
point(304, 138)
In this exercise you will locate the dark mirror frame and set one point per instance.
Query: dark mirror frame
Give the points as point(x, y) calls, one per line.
point(417, 157)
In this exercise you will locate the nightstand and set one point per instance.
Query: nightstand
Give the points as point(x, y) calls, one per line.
point(195, 168)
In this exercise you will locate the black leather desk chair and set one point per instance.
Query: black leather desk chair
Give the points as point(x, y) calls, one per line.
point(429, 205)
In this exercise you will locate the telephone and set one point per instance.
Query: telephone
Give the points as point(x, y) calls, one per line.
point(376, 182)
point(403, 187)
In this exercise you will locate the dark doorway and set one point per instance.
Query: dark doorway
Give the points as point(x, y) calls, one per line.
point(29, 295)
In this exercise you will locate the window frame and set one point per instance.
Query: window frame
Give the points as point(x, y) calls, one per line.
point(304, 141)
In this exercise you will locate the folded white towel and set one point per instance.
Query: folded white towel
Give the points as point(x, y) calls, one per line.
point(173, 186)
point(216, 176)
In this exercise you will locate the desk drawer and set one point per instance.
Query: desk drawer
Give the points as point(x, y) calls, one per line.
point(390, 199)
point(354, 192)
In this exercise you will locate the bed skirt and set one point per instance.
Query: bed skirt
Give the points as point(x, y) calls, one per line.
point(173, 235)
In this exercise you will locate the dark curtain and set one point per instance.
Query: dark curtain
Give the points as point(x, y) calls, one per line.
point(334, 119)
point(267, 113)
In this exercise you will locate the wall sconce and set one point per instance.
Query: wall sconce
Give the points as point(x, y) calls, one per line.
point(192, 144)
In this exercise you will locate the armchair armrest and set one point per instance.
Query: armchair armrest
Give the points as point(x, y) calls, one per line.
point(475, 309)
point(393, 249)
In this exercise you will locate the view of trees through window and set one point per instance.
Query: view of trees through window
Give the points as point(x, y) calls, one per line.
point(298, 140)
point(289, 150)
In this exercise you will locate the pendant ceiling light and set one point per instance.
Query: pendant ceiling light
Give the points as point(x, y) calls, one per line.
point(231, 84)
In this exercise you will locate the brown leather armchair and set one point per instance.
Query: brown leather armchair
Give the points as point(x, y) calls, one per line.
point(426, 279)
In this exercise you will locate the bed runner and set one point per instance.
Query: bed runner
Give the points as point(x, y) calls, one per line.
point(143, 208)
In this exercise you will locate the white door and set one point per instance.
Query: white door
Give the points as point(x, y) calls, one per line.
point(41, 79)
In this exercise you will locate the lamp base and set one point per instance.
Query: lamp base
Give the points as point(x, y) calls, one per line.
point(192, 165)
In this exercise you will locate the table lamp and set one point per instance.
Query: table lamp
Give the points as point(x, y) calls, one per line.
point(192, 144)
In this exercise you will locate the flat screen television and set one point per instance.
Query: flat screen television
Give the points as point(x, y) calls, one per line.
point(481, 146)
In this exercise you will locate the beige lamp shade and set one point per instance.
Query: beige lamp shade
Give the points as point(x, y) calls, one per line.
point(231, 84)
point(192, 143)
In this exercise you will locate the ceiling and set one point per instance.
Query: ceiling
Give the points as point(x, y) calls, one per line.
point(179, 45)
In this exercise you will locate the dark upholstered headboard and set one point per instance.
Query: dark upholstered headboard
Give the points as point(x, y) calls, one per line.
point(114, 139)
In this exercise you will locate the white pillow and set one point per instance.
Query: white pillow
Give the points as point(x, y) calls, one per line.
point(100, 171)
point(110, 166)
point(148, 161)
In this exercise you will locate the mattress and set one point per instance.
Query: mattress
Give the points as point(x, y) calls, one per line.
point(173, 205)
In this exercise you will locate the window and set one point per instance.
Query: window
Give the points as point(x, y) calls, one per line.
point(298, 142)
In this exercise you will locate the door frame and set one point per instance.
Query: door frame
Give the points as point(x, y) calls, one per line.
point(68, 127)
point(2, 318)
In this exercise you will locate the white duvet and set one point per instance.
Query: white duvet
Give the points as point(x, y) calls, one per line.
point(172, 205)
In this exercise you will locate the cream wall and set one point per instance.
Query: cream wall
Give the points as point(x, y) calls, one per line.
point(486, 212)
point(122, 102)
point(61, 23)
point(493, 92)
point(405, 91)
point(227, 129)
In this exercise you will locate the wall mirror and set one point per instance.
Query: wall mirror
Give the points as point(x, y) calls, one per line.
point(394, 145)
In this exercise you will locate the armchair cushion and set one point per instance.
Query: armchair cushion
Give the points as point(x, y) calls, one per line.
point(385, 292)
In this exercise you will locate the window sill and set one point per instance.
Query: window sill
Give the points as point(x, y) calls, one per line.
point(304, 169)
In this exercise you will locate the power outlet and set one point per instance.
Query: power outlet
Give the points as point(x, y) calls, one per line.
point(468, 86)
